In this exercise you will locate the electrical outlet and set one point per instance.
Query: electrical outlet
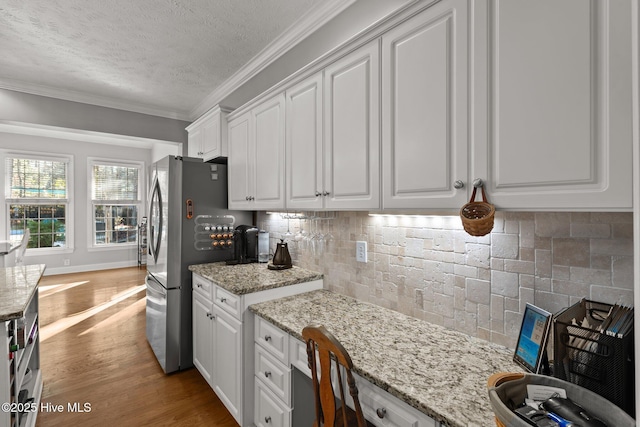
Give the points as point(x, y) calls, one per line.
point(361, 251)
point(66, 261)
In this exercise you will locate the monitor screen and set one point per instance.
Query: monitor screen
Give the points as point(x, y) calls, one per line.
point(532, 340)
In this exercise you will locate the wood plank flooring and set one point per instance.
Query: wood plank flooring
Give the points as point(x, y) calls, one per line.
point(93, 350)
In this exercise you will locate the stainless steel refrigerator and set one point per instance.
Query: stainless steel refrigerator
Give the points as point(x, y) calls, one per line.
point(181, 189)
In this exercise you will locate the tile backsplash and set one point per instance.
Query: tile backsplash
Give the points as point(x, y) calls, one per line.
point(430, 268)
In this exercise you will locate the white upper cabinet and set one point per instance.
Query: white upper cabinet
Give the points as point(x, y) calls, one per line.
point(208, 135)
point(333, 142)
point(240, 162)
point(304, 182)
point(256, 157)
point(425, 109)
point(351, 130)
point(552, 104)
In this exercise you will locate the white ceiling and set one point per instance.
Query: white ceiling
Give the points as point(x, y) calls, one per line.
point(163, 57)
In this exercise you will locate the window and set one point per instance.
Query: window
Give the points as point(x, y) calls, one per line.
point(37, 197)
point(115, 202)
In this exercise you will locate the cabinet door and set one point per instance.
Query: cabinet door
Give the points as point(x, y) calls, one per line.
point(194, 144)
point(424, 109)
point(268, 145)
point(304, 145)
point(211, 142)
point(351, 132)
point(239, 162)
point(553, 103)
point(227, 361)
point(203, 337)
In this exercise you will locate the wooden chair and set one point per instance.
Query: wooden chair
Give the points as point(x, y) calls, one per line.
point(330, 349)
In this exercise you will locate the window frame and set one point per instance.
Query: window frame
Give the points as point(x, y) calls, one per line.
point(92, 203)
point(6, 201)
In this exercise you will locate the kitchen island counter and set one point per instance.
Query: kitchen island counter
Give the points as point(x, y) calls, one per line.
point(17, 287)
point(241, 279)
point(440, 372)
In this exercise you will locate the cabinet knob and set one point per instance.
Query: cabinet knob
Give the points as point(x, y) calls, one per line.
point(223, 299)
point(267, 374)
point(267, 337)
point(199, 285)
point(477, 183)
point(326, 193)
point(318, 194)
point(209, 315)
point(267, 420)
point(458, 184)
point(381, 412)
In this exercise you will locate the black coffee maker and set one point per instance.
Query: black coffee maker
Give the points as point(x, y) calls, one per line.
point(245, 244)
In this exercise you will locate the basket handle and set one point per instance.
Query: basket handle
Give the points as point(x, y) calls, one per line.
point(499, 377)
point(473, 194)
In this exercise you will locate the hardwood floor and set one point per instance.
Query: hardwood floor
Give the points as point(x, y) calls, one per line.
point(93, 350)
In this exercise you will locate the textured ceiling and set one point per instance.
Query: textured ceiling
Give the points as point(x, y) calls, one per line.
point(166, 55)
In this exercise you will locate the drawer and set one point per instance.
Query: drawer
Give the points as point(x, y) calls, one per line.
point(273, 339)
point(202, 286)
point(298, 356)
point(273, 373)
point(385, 410)
point(228, 302)
point(269, 410)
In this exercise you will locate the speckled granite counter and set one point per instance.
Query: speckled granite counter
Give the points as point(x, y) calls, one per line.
point(440, 372)
point(17, 287)
point(243, 279)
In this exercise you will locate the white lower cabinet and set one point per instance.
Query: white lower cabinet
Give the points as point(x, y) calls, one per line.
point(223, 350)
point(277, 353)
point(384, 409)
point(227, 360)
point(270, 411)
point(202, 332)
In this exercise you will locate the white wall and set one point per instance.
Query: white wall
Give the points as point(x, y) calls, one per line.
point(81, 259)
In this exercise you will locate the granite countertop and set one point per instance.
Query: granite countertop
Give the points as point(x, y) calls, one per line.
point(17, 287)
point(243, 279)
point(440, 372)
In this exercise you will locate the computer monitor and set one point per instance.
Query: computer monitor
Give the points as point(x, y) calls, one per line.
point(530, 350)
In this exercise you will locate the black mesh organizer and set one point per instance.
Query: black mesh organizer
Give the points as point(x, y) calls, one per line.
point(594, 360)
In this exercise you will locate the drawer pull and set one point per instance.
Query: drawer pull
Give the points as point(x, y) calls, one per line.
point(267, 337)
point(223, 299)
point(381, 412)
point(267, 420)
point(267, 374)
point(199, 285)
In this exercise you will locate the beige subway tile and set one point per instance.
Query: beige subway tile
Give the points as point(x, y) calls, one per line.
point(478, 291)
point(611, 295)
point(566, 287)
point(553, 224)
point(622, 231)
point(517, 266)
point(543, 263)
point(504, 246)
point(622, 272)
point(597, 231)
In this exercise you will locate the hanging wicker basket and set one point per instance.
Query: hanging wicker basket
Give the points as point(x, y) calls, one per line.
point(477, 217)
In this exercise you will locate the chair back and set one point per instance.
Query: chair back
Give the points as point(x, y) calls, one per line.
point(23, 247)
point(330, 350)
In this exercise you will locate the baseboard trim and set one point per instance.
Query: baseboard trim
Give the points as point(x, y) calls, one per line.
point(89, 267)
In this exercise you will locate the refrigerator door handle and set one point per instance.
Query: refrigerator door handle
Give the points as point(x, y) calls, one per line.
point(155, 235)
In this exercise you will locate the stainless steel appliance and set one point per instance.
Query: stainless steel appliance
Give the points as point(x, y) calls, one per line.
point(182, 188)
point(246, 244)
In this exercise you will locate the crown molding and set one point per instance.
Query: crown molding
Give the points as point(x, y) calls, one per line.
point(301, 29)
point(92, 99)
point(33, 129)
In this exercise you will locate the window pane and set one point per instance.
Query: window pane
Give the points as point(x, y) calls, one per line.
point(36, 179)
point(114, 183)
point(46, 231)
point(115, 224)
